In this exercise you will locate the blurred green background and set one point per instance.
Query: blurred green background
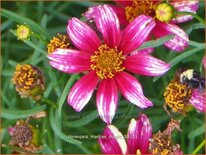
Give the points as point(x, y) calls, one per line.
point(49, 18)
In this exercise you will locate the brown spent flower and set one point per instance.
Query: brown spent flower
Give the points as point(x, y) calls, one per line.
point(161, 142)
point(29, 81)
point(59, 41)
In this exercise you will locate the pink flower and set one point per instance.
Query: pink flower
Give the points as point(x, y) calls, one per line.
point(139, 132)
point(127, 11)
point(106, 62)
point(198, 100)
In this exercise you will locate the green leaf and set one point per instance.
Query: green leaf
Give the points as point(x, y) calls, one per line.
point(180, 58)
point(65, 92)
point(84, 121)
point(21, 20)
point(17, 114)
point(59, 133)
point(155, 43)
point(196, 132)
point(31, 44)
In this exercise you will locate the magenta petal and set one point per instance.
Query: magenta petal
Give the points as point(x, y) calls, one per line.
point(132, 89)
point(179, 42)
point(82, 90)
point(70, 61)
point(139, 133)
point(112, 141)
point(198, 100)
point(107, 22)
point(143, 51)
point(136, 33)
point(107, 99)
point(123, 2)
point(83, 36)
point(145, 64)
point(185, 6)
point(120, 12)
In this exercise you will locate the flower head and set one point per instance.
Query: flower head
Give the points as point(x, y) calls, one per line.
point(24, 136)
point(59, 41)
point(139, 132)
point(23, 32)
point(161, 142)
point(29, 81)
point(187, 90)
point(162, 12)
point(107, 61)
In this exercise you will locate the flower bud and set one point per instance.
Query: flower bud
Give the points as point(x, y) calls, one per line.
point(23, 32)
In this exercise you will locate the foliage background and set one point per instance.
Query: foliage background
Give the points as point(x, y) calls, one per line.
point(49, 18)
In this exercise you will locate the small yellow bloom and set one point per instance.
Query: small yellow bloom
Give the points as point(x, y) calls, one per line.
point(164, 12)
point(23, 32)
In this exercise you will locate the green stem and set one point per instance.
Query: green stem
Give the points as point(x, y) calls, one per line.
point(199, 147)
point(49, 102)
point(39, 37)
point(192, 14)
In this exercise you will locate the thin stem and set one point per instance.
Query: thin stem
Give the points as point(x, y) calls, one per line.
point(51, 103)
point(192, 14)
point(199, 147)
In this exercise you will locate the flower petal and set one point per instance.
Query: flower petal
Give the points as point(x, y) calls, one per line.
point(136, 33)
point(179, 42)
point(123, 3)
point(70, 61)
point(198, 100)
point(112, 141)
point(107, 22)
point(185, 6)
point(82, 36)
point(132, 89)
point(144, 51)
point(107, 99)
point(139, 133)
point(120, 12)
point(145, 64)
point(82, 90)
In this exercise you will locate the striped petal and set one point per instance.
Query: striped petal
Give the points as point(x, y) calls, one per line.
point(70, 61)
point(107, 99)
point(139, 133)
point(185, 6)
point(82, 36)
point(179, 42)
point(112, 141)
point(82, 91)
point(132, 90)
point(107, 22)
point(198, 100)
point(145, 64)
point(136, 33)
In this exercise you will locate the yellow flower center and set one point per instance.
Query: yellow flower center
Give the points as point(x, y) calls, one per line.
point(29, 81)
point(139, 7)
point(107, 61)
point(59, 41)
point(138, 152)
point(177, 97)
point(164, 12)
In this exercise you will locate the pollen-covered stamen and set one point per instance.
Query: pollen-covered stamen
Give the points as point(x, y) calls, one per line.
point(107, 61)
point(164, 12)
point(29, 81)
point(139, 7)
point(59, 41)
point(177, 97)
